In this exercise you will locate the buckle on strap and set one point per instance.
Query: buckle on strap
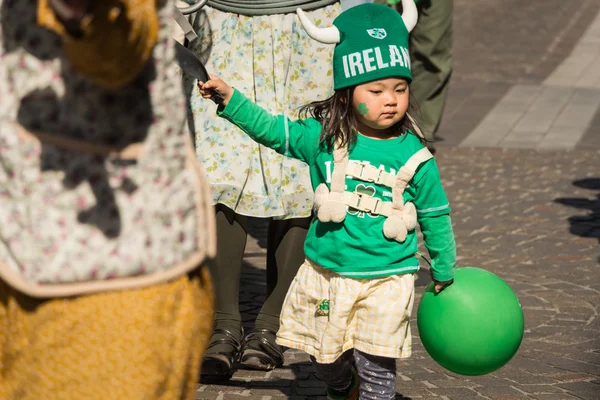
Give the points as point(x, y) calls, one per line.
point(364, 202)
point(355, 168)
point(367, 172)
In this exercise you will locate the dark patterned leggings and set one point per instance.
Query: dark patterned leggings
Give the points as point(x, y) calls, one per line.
point(377, 374)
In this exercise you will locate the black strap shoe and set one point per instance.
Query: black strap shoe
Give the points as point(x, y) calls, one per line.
point(218, 365)
point(260, 351)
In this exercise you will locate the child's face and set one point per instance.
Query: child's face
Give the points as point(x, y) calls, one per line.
point(380, 104)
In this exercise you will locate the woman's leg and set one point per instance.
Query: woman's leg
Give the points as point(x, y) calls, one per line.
point(377, 376)
point(225, 345)
point(226, 268)
point(285, 255)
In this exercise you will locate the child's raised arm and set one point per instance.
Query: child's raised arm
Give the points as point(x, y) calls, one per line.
point(297, 139)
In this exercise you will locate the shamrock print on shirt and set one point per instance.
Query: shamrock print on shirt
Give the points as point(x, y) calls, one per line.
point(367, 190)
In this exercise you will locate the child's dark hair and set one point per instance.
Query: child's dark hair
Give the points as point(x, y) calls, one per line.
point(339, 121)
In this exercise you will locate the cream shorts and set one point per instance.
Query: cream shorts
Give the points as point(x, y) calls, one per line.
point(370, 315)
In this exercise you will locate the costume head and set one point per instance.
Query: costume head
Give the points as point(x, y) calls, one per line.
point(371, 42)
point(117, 39)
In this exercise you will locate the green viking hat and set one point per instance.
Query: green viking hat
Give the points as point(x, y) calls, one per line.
point(371, 42)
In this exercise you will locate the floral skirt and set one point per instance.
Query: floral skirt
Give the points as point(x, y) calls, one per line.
point(272, 61)
point(325, 314)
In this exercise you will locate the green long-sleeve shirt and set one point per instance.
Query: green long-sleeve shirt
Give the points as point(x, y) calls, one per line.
point(357, 247)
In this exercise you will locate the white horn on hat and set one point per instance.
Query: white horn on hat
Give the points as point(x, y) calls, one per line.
point(409, 14)
point(329, 35)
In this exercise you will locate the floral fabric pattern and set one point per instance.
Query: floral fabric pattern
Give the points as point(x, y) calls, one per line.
point(69, 216)
point(272, 61)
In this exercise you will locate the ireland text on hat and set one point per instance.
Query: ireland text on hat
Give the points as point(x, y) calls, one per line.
point(372, 59)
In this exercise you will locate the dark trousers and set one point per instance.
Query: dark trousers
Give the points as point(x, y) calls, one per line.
point(431, 62)
point(430, 46)
point(285, 255)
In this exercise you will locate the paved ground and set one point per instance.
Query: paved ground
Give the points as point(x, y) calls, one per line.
point(520, 161)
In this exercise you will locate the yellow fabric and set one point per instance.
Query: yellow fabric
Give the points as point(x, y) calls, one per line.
point(370, 315)
point(137, 344)
point(118, 38)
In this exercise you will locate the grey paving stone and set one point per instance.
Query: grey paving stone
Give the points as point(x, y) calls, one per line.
point(584, 390)
point(590, 77)
point(573, 68)
point(522, 140)
point(455, 393)
point(468, 111)
point(530, 47)
point(543, 110)
point(554, 396)
point(580, 109)
point(577, 69)
point(541, 389)
point(287, 391)
point(414, 393)
point(502, 393)
point(500, 121)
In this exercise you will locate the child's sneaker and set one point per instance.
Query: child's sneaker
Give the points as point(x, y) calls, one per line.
point(349, 394)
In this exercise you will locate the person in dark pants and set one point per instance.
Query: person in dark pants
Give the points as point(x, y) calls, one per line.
point(258, 349)
point(430, 47)
point(264, 52)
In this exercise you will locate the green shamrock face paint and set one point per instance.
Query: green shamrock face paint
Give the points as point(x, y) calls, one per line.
point(363, 109)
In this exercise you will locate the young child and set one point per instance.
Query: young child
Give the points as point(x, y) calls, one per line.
point(350, 304)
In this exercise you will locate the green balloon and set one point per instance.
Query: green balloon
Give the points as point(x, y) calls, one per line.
point(474, 326)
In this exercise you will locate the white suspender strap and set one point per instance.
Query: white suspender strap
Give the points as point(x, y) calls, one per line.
point(367, 172)
point(367, 203)
point(338, 176)
point(417, 159)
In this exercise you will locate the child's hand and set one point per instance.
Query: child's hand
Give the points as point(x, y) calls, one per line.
point(439, 286)
point(215, 84)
